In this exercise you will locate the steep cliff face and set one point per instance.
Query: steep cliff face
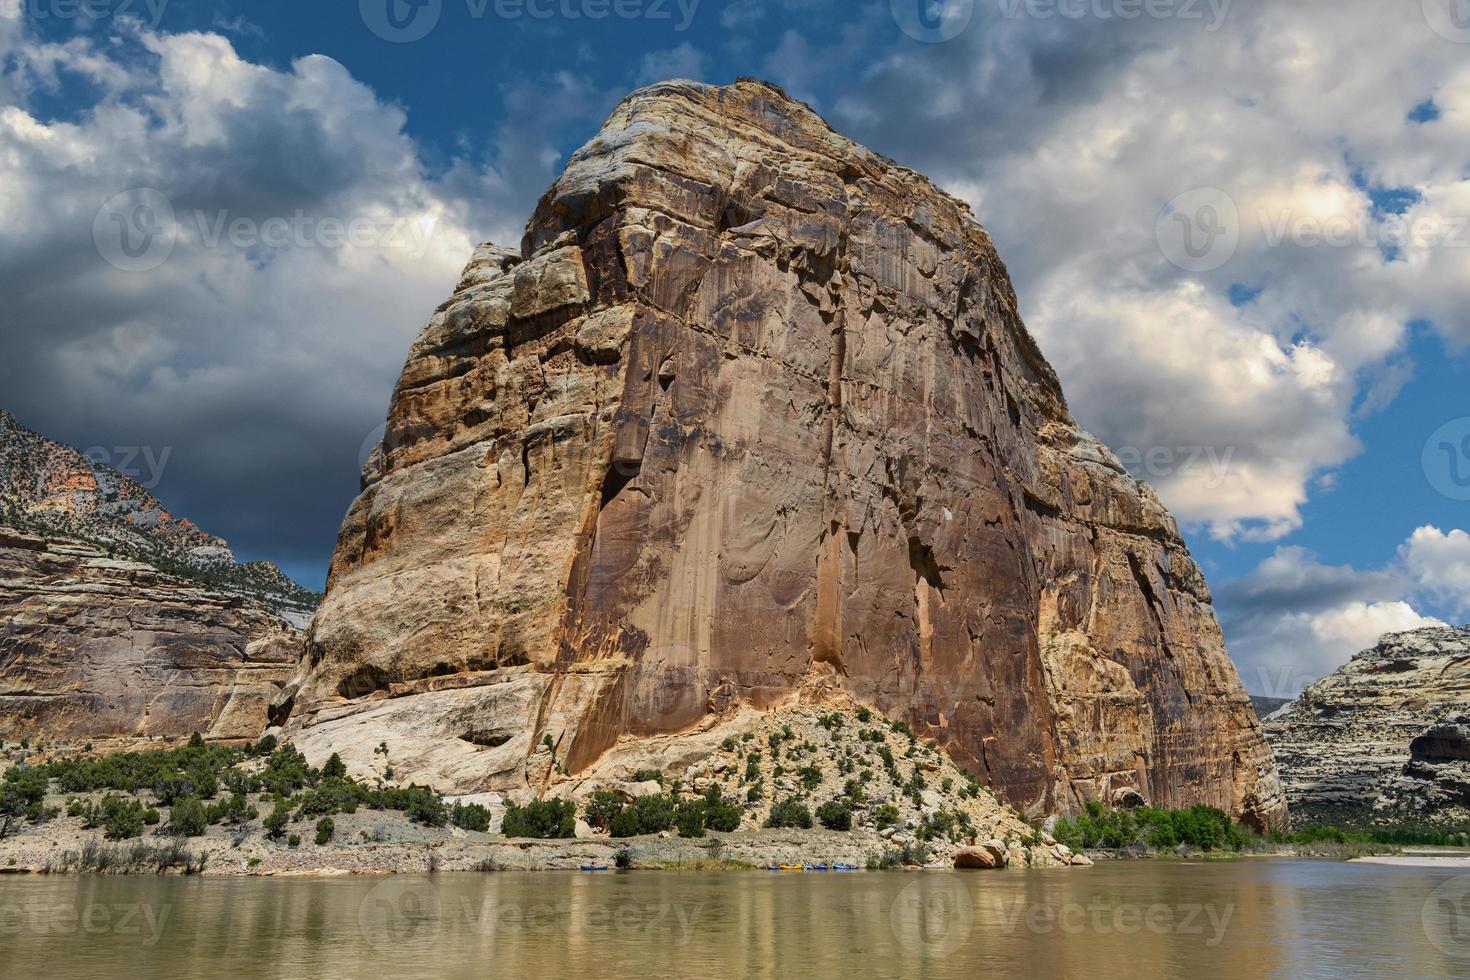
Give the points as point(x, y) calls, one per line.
point(93, 647)
point(751, 417)
point(1385, 739)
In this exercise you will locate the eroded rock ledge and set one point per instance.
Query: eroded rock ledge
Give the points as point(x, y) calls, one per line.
point(750, 416)
point(1385, 739)
point(95, 648)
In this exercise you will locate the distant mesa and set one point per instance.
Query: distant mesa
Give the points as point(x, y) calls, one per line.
point(1384, 741)
point(119, 620)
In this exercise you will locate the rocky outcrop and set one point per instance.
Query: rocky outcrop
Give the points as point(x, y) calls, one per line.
point(94, 648)
point(1382, 740)
point(750, 417)
point(51, 489)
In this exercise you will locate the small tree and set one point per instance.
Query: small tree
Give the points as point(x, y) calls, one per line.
point(335, 768)
point(835, 815)
point(187, 818)
point(325, 828)
point(690, 820)
point(601, 807)
point(790, 812)
point(545, 819)
point(275, 822)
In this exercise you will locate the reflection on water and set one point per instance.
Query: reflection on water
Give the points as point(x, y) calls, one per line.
point(1232, 919)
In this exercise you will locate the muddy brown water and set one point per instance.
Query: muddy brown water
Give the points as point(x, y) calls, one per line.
point(1248, 918)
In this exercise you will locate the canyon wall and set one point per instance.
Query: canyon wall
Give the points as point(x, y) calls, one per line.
point(95, 648)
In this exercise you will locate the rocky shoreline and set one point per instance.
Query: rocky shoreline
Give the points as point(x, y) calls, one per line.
point(407, 849)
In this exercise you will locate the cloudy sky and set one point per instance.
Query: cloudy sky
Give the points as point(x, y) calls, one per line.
point(1240, 231)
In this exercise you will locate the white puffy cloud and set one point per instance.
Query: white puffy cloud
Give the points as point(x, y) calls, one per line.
point(1439, 564)
point(309, 241)
point(1295, 619)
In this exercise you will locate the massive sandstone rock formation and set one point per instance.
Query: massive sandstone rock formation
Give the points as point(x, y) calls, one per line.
point(751, 417)
point(1384, 739)
point(93, 647)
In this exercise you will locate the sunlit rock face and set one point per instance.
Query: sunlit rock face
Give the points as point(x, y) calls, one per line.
point(94, 647)
point(1384, 739)
point(751, 417)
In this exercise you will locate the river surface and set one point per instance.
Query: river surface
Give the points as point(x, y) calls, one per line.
point(1135, 920)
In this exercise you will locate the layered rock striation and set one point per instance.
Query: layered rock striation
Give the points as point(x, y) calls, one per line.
point(93, 647)
point(751, 418)
point(50, 489)
point(1385, 739)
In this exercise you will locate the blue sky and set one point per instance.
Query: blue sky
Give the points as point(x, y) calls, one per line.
point(1241, 240)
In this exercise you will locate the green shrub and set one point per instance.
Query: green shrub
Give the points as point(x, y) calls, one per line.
point(294, 840)
point(325, 828)
point(601, 807)
point(275, 823)
point(543, 819)
point(470, 816)
point(120, 817)
point(187, 818)
point(645, 815)
point(422, 805)
point(864, 715)
point(624, 823)
point(334, 768)
point(719, 813)
point(835, 815)
point(790, 813)
point(649, 776)
point(885, 815)
point(689, 818)
point(235, 810)
point(1204, 827)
